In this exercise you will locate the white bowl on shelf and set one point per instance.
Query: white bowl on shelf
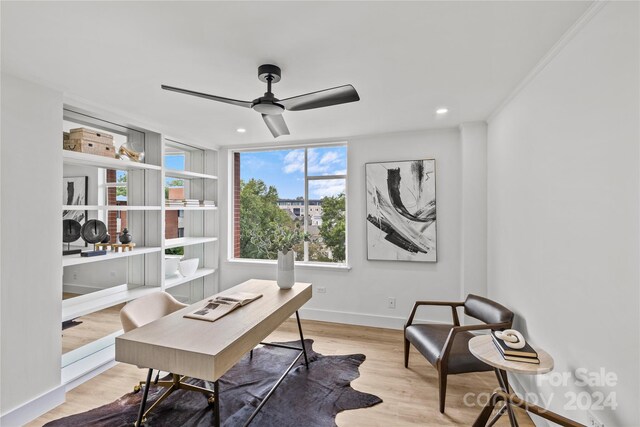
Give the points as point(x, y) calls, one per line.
point(171, 265)
point(188, 267)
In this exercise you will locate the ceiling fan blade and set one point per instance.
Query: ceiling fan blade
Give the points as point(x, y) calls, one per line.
point(245, 104)
point(276, 124)
point(321, 98)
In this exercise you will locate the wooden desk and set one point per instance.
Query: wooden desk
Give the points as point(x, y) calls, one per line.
point(207, 350)
point(484, 349)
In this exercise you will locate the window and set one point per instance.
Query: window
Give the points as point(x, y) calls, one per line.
point(295, 188)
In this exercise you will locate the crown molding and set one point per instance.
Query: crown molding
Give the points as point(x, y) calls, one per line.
point(577, 26)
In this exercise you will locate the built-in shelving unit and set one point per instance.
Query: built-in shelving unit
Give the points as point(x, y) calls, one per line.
point(98, 283)
point(187, 241)
point(83, 159)
point(89, 303)
point(191, 208)
point(188, 175)
point(170, 282)
point(109, 208)
point(196, 169)
point(77, 259)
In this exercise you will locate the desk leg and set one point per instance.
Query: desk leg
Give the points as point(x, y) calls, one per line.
point(143, 402)
point(504, 384)
point(304, 350)
point(216, 404)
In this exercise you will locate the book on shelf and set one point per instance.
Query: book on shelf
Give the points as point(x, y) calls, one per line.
point(526, 351)
point(222, 305)
point(207, 203)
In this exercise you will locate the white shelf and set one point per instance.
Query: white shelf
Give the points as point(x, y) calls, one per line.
point(68, 260)
point(189, 208)
point(89, 303)
point(178, 279)
point(86, 368)
point(187, 175)
point(187, 241)
point(83, 159)
point(109, 208)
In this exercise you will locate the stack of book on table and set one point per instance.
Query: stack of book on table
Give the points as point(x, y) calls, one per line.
point(207, 203)
point(525, 354)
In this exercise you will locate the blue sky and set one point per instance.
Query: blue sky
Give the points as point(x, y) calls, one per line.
point(284, 169)
point(174, 162)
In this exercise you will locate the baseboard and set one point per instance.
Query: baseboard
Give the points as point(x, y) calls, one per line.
point(359, 319)
point(34, 408)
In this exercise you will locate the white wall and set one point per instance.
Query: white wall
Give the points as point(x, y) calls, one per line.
point(563, 210)
point(31, 228)
point(360, 295)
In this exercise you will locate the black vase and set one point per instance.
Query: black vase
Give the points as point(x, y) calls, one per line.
point(125, 237)
point(107, 238)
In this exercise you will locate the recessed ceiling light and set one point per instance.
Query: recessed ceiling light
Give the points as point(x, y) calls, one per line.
point(241, 130)
point(442, 110)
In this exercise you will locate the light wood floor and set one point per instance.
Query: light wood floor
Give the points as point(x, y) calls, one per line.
point(410, 395)
point(94, 326)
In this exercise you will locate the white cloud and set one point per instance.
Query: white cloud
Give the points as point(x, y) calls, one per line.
point(323, 188)
point(294, 162)
point(317, 165)
point(329, 158)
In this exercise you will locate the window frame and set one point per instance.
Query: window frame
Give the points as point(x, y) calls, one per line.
point(307, 178)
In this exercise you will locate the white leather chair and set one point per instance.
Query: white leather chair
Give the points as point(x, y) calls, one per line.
point(144, 310)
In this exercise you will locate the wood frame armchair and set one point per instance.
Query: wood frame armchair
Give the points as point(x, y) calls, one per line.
point(445, 346)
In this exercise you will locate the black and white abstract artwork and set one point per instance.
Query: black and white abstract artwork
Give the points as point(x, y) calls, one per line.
point(74, 192)
point(401, 210)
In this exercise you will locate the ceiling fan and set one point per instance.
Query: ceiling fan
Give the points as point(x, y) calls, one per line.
point(272, 108)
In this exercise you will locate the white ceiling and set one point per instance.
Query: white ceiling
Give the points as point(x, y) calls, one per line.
point(405, 59)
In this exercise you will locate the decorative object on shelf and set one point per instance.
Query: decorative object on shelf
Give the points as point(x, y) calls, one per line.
point(511, 338)
point(90, 141)
point(279, 241)
point(272, 108)
point(401, 210)
point(70, 233)
point(125, 237)
point(122, 247)
point(171, 264)
point(188, 267)
point(93, 231)
point(125, 152)
point(74, 192)
point(107, 239)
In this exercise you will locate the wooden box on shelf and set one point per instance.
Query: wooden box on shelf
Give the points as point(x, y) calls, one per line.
point(89, 141)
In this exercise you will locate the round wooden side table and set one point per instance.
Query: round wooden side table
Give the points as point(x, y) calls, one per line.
point(484, 349)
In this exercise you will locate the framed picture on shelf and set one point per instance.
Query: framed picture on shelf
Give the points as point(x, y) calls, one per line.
point(401, 210)
point(74, 192)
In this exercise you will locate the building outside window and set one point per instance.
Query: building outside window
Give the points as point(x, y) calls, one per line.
point(298, 188)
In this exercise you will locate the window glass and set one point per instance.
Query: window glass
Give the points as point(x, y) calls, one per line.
point(269, 200)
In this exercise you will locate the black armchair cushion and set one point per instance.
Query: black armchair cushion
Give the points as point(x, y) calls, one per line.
point(430, 339)
point(486, 310)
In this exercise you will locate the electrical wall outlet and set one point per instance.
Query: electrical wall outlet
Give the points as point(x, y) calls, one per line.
point(594, 421)
point(391, 303)
point(321, 290)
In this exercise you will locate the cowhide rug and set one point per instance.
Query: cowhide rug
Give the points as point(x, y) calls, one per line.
point(310, 398)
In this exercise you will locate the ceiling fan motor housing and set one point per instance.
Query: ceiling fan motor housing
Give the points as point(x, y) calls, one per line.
point(266, 70)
